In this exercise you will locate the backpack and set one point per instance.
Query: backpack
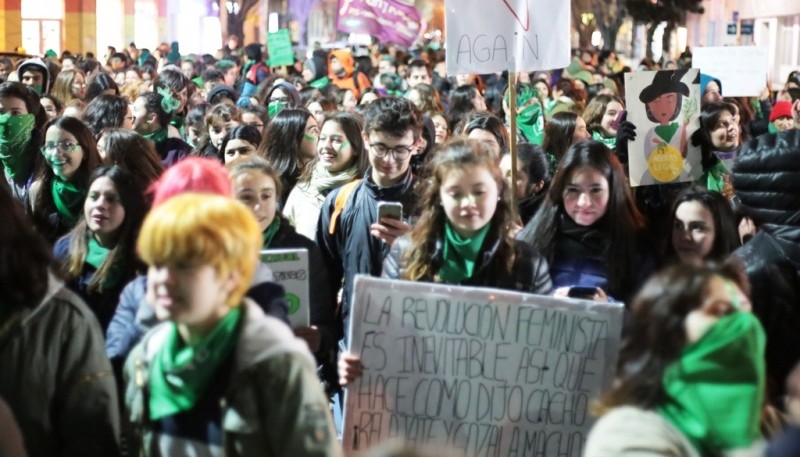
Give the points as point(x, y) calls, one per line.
point(340, 202)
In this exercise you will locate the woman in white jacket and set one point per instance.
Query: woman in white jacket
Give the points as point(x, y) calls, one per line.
point(340, 159)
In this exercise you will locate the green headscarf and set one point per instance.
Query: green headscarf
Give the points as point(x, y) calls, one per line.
point(716, 389)
point(15, 134)
point(180, 373)
point(68, 199)
point(459, 254)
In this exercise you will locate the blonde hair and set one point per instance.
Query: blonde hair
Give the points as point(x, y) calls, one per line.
point(202, 229)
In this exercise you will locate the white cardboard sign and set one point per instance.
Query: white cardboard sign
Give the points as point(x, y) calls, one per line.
point(488, 36)
point(741, 69)
point(290, 269)
point(483, 371)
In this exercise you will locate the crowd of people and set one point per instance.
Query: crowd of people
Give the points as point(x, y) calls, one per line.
point(137, 317)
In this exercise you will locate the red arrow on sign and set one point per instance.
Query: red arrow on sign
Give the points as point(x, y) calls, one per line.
point(527, 25)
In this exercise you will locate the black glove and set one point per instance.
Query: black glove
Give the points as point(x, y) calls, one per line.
point(625, 132)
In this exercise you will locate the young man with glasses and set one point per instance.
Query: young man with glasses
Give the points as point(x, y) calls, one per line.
point(352, 238)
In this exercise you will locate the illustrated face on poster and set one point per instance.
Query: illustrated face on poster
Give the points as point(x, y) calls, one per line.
point(664, 107)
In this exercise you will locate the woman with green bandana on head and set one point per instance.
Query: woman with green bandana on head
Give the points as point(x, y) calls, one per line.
point(340, 159)
point(97, 257)
point(21, 122)
point(691, 376)
point(181, 88)
point(57, 196)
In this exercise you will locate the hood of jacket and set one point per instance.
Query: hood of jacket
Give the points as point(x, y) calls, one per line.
point(347, 61)
point(38, 65)
point(766, 179)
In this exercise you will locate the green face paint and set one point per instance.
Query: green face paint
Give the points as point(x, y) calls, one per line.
point(344, 145)
point(308, 137)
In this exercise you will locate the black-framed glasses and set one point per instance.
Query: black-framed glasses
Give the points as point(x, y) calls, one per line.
point(132, 118)
point(398, 152)
point(63, 146)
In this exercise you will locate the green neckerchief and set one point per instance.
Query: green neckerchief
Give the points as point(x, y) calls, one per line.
point(320, 83)
point(459, 254)
point(270, 231)
point(180, 373)
point(714, 178)
point(198, 81)
point(771, 128)
point(38, 89)
point(757, 113)
point(177, 122)
point(273, 108)
point(158, 136)
point(666, 132)
point(715, 391)
point(530, 122)
point(68, 199)
point(15, 134)
point(96, 254)
point(611, 142)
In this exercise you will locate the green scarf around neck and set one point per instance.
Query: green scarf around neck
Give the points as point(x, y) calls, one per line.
point(95, 254)
point(714, 178)
point(666, 132)
point(460, 254)
point(610, 142)
point(180, 372)
point(68, 199)
point(270, 231)
point(530, 121)
point(15, 134)
point(715, 391)
point(158, 136)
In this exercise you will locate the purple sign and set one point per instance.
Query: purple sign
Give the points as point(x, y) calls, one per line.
point(390, 21)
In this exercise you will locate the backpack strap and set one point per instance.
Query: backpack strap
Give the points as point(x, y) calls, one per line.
point(339, 204)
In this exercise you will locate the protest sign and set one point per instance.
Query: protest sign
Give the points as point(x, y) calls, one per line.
point(280, 48)
point(290, 269)
point(390, 21)
point(741, 69)
point(487, 36)
point(665, 108)
point(484, 371)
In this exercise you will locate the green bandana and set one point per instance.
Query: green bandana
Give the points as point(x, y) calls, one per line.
point(666, 132)
point(270, 231)
point(320, 83)
point(38, 89)
point(96, 254)
point(168, 101)
point(158, 136)
point(714, 178)
point(771, 128)
point(274, 108)
point(610, 142)
point(68, 200)
point(180, 373)
point(459, 254)
point(716, 390)
point(15, 134)
point(530, 122)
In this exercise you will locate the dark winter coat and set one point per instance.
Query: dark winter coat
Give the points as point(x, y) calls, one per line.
point(171, 150)
point(766, 179)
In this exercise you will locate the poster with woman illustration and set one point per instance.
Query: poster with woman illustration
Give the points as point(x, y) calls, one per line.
point(665, 108)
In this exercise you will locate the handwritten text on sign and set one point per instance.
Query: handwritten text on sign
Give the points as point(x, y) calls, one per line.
point(518, 35)
point(488, 372)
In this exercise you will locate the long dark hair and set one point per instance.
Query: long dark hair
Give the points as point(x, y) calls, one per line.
point(622, 223)
point(726, 237)
point(24, 256)
point(282, 139)
point(558, 133)
point(99, 83)
point(241, 132)
point(134, 153)
point(122, 263)
point(105, 112)
point(352, 127)
point(656, 334)
point(709, 116)
point(461, 102)
point(456, 154)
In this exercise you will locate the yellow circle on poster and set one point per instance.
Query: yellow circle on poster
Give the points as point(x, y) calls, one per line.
point(665, 163)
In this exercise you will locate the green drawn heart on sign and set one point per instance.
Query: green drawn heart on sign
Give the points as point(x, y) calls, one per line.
point(294, 303)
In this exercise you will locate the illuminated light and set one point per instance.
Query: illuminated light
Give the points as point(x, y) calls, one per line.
point(273, 24)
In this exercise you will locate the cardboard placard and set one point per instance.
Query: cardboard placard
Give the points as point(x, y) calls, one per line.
point(279, 45)
point(290, 269)
point(662, 151)
point(741, 69)
point(485, 371)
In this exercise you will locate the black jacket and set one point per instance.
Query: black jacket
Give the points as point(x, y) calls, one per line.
point(766, 179)
point(351, 249)
point(530, 272)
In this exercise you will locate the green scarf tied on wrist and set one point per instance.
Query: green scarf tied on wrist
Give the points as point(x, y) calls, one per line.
point(460, 254)
point(15, 134)
point(180, 373)
point(158, 136)
point(270, 231)
point(715, 391)
point(68, 199)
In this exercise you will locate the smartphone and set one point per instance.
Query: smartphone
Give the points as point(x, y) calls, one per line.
point(391, 210)
point(582, 292)
point(615, 123)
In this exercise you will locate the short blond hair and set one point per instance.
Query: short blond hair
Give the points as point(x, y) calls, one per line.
point(202, 229)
